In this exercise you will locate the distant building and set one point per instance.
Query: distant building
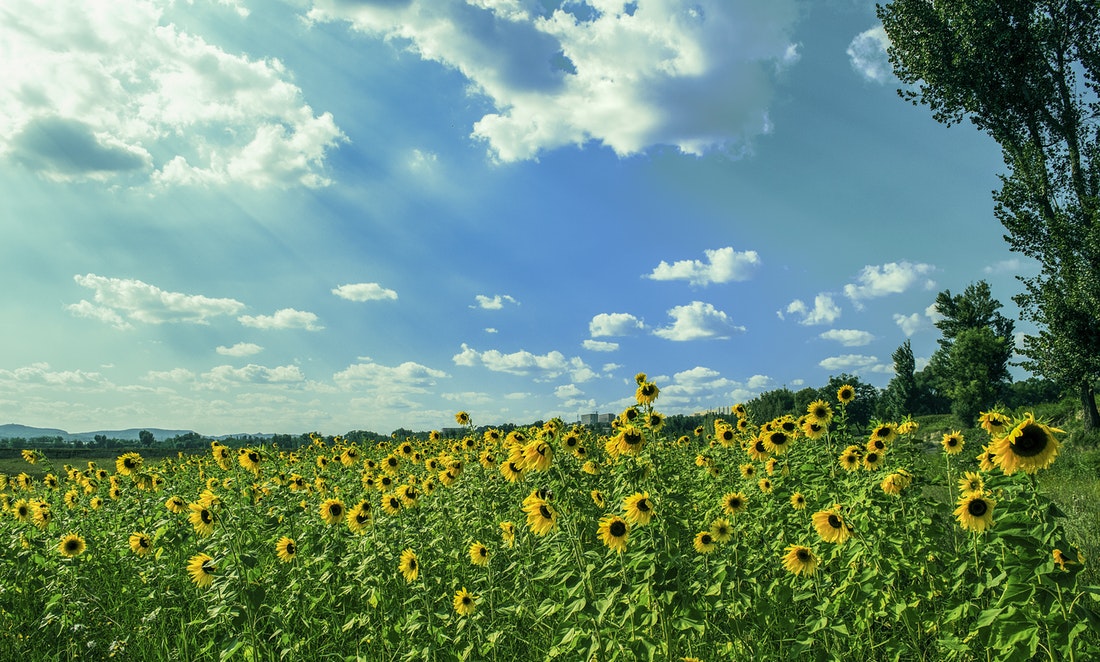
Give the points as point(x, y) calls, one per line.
point(596, 419)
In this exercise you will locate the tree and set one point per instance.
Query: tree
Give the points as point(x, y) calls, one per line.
point(863, 408)
point(901, 396)
point(146, 438)
point(1015, 69)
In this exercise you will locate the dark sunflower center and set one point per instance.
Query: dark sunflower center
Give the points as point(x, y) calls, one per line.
point(72, 545)
point(977, 507)
point(734, 504)
point(143, 543)
point(834, 522)
point(759, 447)
point(208, 567)
point(253, 458)
point(291, 549)
point(335, 510)
point(647, 389)
point(803, 555)
point(512, 466)
point(723, 531)
point(1031, 442)
point(632, 438)
point(544, 511)
point(872, 458)
point(466, 600)
point(882, 432)
point(617, 529)
point(819, 412)
point(129, 463)
point(727, 435)
point(643, 505)
point(706, 539)
point(412, 564)
point(483, 552)
point(205, 516)
point(394, 502)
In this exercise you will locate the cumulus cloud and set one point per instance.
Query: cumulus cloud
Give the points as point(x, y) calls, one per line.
point(697, 321)
point(722, 266)
point(614, 324)
point(848, 362)
point(495, 302)
point(909, 324)
point(41, 373)
point(119, 301)
point(848, 337)
point(867, 54)
point(543, 366)
point(286, 318)
point(224, 375)
point(568, 391)
point(600, 346)
point(824, 311)
point(364, 292)
point(889, 278)
point(175, 376)
point(240, 349)
point(697, 76)
point(408, 377)
point(121, 92)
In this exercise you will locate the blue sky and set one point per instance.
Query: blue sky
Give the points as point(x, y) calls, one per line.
point(329, 215)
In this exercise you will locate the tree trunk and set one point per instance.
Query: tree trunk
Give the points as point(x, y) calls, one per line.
point(1088, 400)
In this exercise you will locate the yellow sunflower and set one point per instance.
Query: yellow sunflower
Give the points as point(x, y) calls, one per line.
point(332, 511)
point(845, 394)
point(800, 559)
point(541, 518)
point(734, 503)
point(201, 518)
point(820, 412)
point(798, 502)
point(479, 554)
point(508, 533)
point(286, 549)
point(128, 463)
point(971, 483)
point(614, 532)
point(202, 568)
point(647, 392)
point(464, 602)
point(359, 517)
point(704, 542)
point(953, 442)
point(71, 545)
point(975, 512)
point(140, 543)
point(638, 508)
point(831, 526)
point(409, 565)
point(721, 529)
point(1029, 446)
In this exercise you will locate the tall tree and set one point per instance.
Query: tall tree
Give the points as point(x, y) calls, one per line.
point(1027, 72)
point(900, 397)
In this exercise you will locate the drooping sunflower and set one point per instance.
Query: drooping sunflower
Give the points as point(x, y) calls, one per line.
point(71, 545)
point(638, 508)
point(987, 458)
point(721, 530)
point(508, 533)
point(391, 504)
point(140, 543)
point(128, 463)
point(831, 526)
point(464, 602)
point(798, 502)
point(511, 471)
point(995, 422)
point(800, 560)
point(734, 503)
point(359, 517)
point(462, 418)
point(409, 565)
point(202, 568)
point(647, 392)
point(332, 511)
point(953, 442)
point(886, 432)
point(286, 549)
point(30, 456)
point(975, 512)
point(1029, 446)
point(249, 459)
point(704, 542)
point(479, 554)
point(971, 483)
point(598, 499)
point(845, 394)
point(541, 518)
point(614, 532)
point(201, 518)
point(813, 430)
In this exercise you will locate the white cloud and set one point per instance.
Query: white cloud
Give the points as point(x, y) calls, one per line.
point(121, 92)
point(118, 301)
point(286, 318)
point(697, 321)
point(42, 374)
point(252, 374)
point(867, 54)
point(364, 292)
point(825, 310)
point(933, 313)
point(757, 382)
point(496, 302)
point(614, 324)
point(490, 329)
point(889, 278)
point(240, 349)
point(545, 366)
point(909, 324)
point(722, 266)
point(600, 346)
point(698, 76)
point(422, 161)
point(1013, 265)
point(848, 362)
point(175, 376)
point(408, 377)
point(848, 337)
point(698, 379)
point(568, 391)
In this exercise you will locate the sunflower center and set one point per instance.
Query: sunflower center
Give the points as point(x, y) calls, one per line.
point(872, 458)
point(544, 511)
point(466, 600)
point(643, 505)
point(205, 516)
point(734, 504)
point(977, 507)
point(803, 555)
point(778, 438)
point(706, 539)
point(632, 438)
point(1031, 442)
point(617, 529)
point(208, 567)
point(834, 522)
point(412, 564)
point(291, 549)
point(335, 510)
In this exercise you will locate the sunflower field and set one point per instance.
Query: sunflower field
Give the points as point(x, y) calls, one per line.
point(796, 538)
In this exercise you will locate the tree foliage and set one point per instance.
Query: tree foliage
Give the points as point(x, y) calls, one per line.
point(1028, 74)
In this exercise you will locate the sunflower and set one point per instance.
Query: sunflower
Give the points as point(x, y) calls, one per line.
point(820, 412)
point(831, 526)
point(508, 533)
point(96, 503)
point(201, 567)
point(851, 459)
point(725, 435)
point(479, 554)
point(953, 442)
point(249, 459)
point(739, 410)
point(704, 542)
point(140, 543)
point(332, 511)
point(511, 471)
point(777, 441)
point(798, 502)
point(800, 559)
point(995, 422)
point(1029, 446)
point(22, 510)
point(987, 459)
point(359, 517)
point(41, 514)
point(128, 463)
point(409, 495)
point(748, 470)
point(886, 432)
point(875, 445)
point(813, 430)
point(647, 392)
point(614, 532)
point(975, 512)
point(1061, 560)
point(286, 549)
point(391, 504)
point(30, 456)
point(409, 565)
point(734, 503)
point(541, 518)
point(464, 602)
point(630, 439)
point(721, 529)
point(845, 394)
point(873, 460)
point(71, 545)
point(462, 418)
point(201, 518)
point(598, 499)
point(971, 483)
point(765, 485)
point(391, 464)
point(638, 508)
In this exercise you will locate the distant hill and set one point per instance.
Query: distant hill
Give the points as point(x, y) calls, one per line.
point(12, 430)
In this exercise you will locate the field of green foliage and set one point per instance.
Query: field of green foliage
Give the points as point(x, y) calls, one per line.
point(794, 538)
